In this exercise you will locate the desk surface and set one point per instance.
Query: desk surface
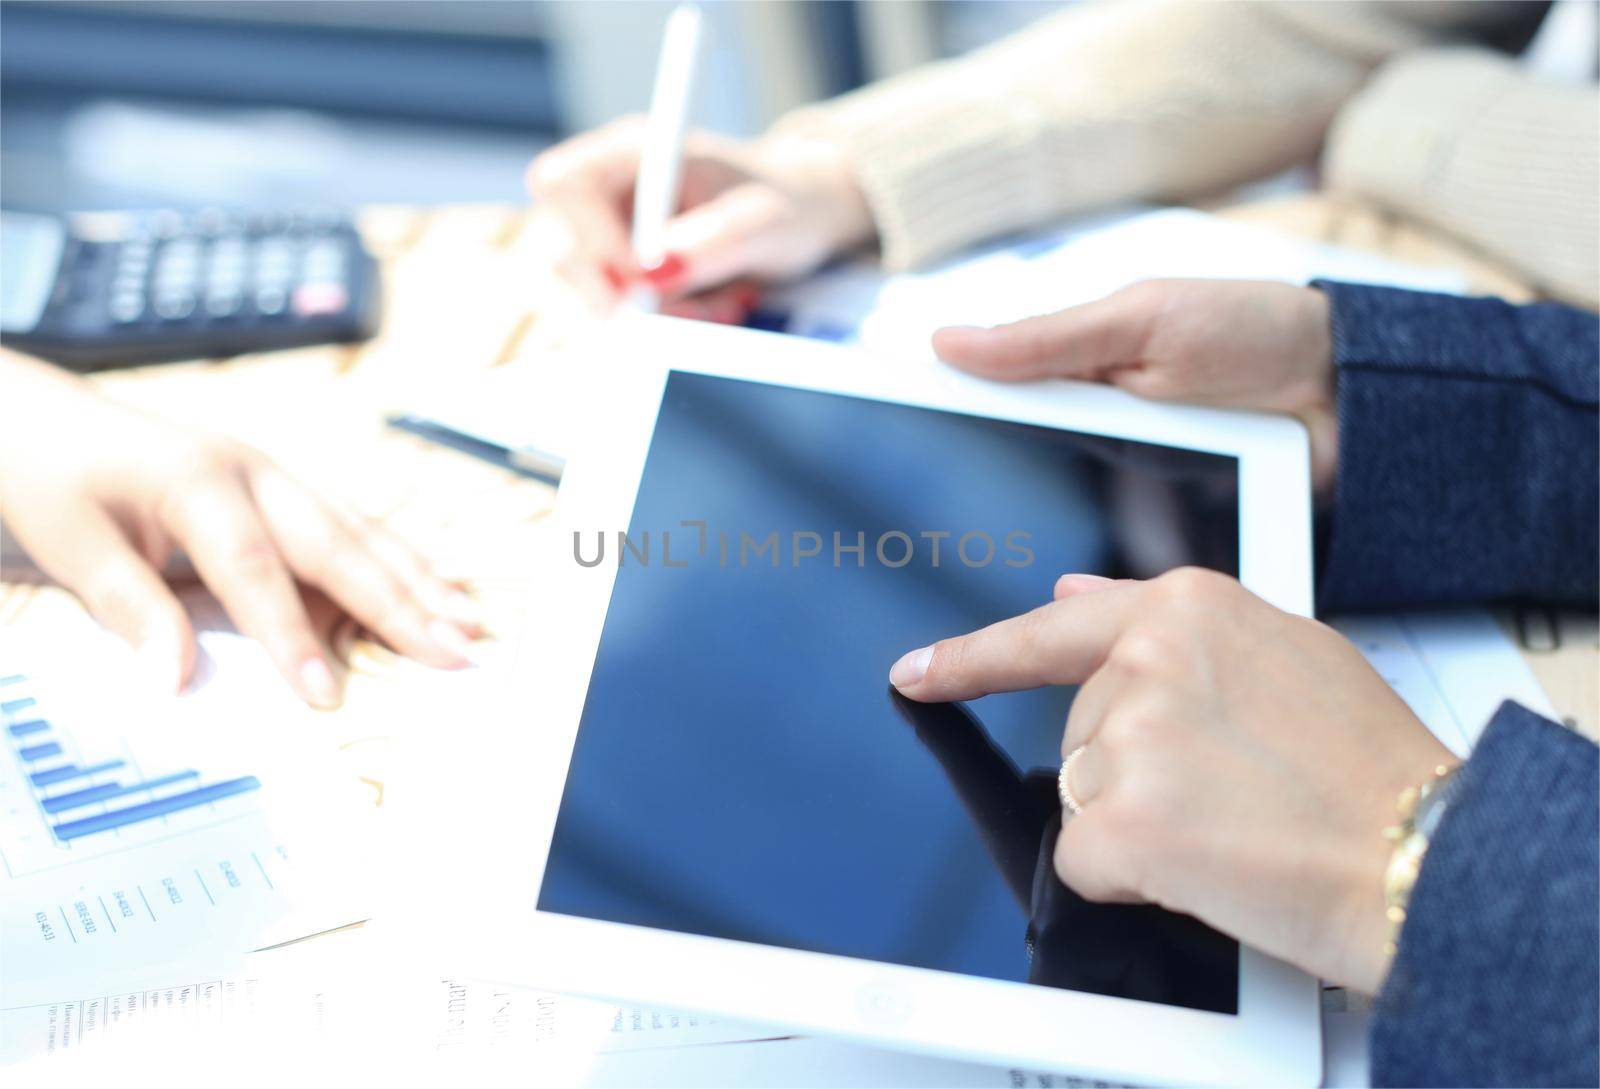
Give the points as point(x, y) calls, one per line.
point(461, 286)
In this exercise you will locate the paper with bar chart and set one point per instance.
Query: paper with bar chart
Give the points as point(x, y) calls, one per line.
point(79, 793)
point(144, 835)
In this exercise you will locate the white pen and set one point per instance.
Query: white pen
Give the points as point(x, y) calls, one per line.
point(655, 192)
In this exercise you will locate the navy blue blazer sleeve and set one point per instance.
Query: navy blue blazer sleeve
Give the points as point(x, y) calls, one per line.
point(1495, 981)
point(1468, 460)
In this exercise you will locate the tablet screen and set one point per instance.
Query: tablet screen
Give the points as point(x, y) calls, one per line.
point(742, 769)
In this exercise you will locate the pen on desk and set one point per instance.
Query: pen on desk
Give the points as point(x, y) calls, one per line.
point(655, 192)
point(519, 459)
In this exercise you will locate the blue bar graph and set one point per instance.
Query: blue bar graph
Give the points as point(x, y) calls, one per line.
point(80, 806)
point(71, 771)
point(57, 802)
point(118, 818)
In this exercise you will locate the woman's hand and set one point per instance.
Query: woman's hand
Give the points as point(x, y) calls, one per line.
point(769, 209)
point(1241, 763)
point(101, 496)
point(1239, 343)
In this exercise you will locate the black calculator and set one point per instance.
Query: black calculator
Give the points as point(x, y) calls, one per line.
point(106, 289)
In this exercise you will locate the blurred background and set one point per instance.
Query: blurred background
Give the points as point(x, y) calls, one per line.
point(144, 103)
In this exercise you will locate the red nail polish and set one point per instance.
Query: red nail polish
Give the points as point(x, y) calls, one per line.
point(614, 276)
point(667, 274)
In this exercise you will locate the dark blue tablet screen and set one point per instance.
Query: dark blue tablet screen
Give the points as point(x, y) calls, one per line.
point(742, 769)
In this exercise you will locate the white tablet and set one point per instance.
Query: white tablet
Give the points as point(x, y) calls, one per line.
point(729, 811)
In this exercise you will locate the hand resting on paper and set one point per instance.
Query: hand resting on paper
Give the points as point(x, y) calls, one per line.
point(101, 496)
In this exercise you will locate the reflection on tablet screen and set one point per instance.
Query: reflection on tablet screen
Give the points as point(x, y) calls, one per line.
point(740, 770)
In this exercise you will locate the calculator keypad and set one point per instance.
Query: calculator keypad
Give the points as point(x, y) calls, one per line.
point(137, 287)
point(218, 267)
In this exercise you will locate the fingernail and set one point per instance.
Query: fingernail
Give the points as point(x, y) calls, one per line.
point(614, 276)
point(667, 274)
point(448, 638)
point(463, 608)
point(911, 668)
point(1086, 580)
point(317, 684)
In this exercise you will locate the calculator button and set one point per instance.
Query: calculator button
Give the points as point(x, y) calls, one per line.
point(274, 263)
point(182, 249)
point(277, 275)
point(173, 287)
point(165, 224)
point(126, 307)
point(268, 223)
point(325, 269)
point(228, 251)
point(318, 298)
point(270, 301)
point(176, 270)
point(324, 261)
point(223, 304)
point(174, 306)
point(210, 221)
point(177, 265)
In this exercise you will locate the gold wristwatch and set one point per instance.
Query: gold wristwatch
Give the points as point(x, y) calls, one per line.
point(1420, 809)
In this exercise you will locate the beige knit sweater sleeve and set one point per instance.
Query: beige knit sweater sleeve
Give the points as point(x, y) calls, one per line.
point(1144, 99)
point(1464, 140)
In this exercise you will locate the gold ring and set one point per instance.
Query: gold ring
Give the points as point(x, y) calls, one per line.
point(1069, 801)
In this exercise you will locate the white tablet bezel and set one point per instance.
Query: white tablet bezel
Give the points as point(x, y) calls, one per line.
point(1274, 1038)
